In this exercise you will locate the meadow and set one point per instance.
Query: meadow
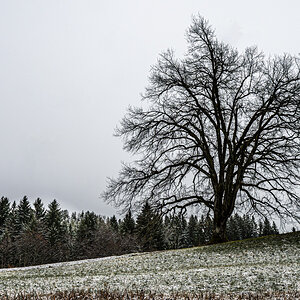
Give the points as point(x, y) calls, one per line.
point(266, 267)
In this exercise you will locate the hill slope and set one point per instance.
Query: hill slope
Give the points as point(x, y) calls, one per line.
point(255, 265)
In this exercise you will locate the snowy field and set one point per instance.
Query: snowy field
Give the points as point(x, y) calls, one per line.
point(264, 264)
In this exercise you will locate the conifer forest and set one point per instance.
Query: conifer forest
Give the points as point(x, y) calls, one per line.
point(33, 234)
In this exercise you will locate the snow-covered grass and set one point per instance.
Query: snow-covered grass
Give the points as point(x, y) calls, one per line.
point(255, 265)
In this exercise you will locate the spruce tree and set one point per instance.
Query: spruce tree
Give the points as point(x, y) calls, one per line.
point(247, 231)
point(4, 212)
point(255, 232)
point(167, 232)
point(230, 229)
point(24, 214)
point(274, 228)
point(267, 229)
point(113, 223)
point(183, 232)
point(201, 231)
point(208, 228)
point(53, 219)
point(260, 228)
point(85, 236)
point(128, 224)
point(193, 239)
point(5, 240)
point(39, 209)
point(87, 225)
point(149, 229)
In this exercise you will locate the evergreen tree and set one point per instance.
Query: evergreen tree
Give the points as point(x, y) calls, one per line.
point(247, 231)
point(274, 228)
point(85, 237)
point(267, 229)
point(113, 223)
point(149, 229)
point(260, 228)
point(182, 232)
point(39, 210)
point(4, 212)
point(193, 237)
point(201, 231)
point(239, 228)
point(254, 227)
point(208, 228)
point(128, 224)
point(37, 223)
point(5, 238)
point(87, 225)
point(23, 214)
point(232, 230)
point(168, 232)
point(12, 221)
point(53, 219)
point(176, 232)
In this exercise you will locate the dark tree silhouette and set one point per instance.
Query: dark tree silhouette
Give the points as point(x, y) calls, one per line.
point(221, 130)
point(54, 223)
point(193, 239)
point(149, 229)
point(4, 211)
point(39, 210)
point(128, 224)
point(24, 214)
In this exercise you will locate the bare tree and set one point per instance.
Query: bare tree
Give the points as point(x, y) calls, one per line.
point(221, 130)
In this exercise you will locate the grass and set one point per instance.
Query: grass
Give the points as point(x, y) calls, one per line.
point(110, 295)
point(262, 267)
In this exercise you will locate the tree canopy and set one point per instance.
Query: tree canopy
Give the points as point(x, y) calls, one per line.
point(221, 130)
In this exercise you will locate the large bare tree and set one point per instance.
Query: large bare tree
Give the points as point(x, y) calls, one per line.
point(219, 130)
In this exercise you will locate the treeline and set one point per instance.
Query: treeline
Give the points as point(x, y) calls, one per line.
point(33, 234)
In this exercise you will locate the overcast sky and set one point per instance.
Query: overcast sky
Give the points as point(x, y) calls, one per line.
point(69, 69)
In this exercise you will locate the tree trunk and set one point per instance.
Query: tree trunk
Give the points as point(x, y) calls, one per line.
point(219, 229)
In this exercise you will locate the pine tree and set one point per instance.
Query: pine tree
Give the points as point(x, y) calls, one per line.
point(183, 232)
point(233, 230)
point(255, 232)
point(24, 214)
point(12, 221)
point(85, 236)
point(230, 229)
point(193, 239)
point(178, 234)
point(247, 230)
point(260, 228)
point(267, 229)
point(5, 240)
point(53, 219)
point(87, 225)
point(274, 228)
point(149, 229)
point(37, 223)
point(128, 224)
point(4, 212)
point(39, 209)
point(201, 231)
point(208, 229)
point(174, 232)
point(113, 223)
point(167, 232)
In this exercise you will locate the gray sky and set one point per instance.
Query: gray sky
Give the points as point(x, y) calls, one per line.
point(69, 69)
